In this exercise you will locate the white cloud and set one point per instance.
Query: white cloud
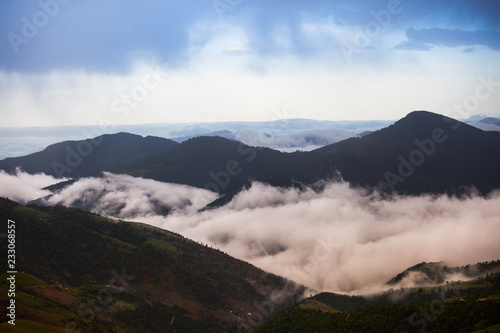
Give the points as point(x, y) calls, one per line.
point(127, 197)
point(286, 139)
point(237, 51)
point(343, 239)
point(243, 88)
point(23, 187)
point(340, 239)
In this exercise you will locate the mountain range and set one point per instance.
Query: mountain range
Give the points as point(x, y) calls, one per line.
point(280, 133)
point(422, 153)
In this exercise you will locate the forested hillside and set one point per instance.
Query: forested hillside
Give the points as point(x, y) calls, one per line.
point(101, 274)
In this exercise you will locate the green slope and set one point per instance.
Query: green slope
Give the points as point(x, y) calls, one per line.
point(452, 307)
point(101, 274)
point(436, 272)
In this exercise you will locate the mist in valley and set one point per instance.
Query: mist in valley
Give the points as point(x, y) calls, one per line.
point(341, 239)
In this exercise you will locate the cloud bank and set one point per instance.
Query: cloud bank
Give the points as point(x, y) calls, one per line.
point(23, 187)
point(281, 140)
point(127, 197)
point(339, 239)
point(344, 239)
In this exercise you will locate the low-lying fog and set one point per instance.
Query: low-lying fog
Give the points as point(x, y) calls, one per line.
point(341, 239)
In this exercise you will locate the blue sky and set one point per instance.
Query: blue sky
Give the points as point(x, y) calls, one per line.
point(72, 62)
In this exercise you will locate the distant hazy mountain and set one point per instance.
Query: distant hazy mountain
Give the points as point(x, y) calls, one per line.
point(281, 134)
point(282, 140)
point(491, 120)
point(16, 142)
point(290, 141)
point(486, 124)
point(88, 157)
point(223, 134)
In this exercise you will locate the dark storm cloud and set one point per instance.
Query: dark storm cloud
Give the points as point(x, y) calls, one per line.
point(95, 35)
point(111, 36)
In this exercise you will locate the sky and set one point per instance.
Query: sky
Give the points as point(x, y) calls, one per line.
point(69, 62)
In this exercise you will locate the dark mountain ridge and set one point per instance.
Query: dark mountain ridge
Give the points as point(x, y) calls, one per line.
point(88, 157)
point(215, 163)
point(422, 153)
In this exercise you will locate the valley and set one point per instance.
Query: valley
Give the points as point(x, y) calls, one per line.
point(213, 235)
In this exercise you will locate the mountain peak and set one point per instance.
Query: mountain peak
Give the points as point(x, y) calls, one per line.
point(422, 117)
point(425, 121)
